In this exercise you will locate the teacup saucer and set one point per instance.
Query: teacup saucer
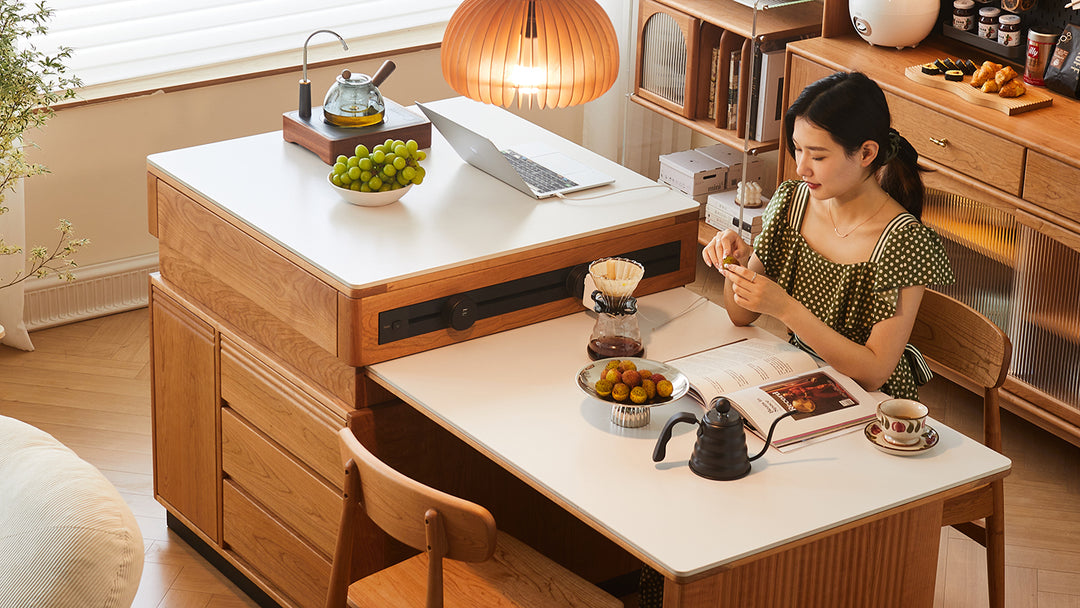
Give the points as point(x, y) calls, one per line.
point(927, 440)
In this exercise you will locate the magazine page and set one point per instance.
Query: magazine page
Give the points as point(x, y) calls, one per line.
point(826, 402)
point(740, 364)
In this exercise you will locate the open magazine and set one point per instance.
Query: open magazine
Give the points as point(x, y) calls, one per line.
point(765, 379)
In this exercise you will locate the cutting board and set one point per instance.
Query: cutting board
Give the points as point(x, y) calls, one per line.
point(1032, 99)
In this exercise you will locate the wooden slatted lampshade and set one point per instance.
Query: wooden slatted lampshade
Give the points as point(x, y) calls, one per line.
point(557, 52)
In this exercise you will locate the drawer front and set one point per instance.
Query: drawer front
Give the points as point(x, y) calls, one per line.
point(279, 556)
point(285, 487)
point(1052, 185)
point(966, 149)
point(281, 410)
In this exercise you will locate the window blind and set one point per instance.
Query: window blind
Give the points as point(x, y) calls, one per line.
point(116, 40)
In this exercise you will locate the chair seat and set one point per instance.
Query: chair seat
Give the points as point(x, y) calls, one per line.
point(517, 575)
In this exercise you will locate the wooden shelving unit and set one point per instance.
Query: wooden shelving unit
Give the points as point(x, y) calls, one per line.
point(704, 25)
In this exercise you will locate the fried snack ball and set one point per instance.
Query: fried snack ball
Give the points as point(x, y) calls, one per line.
point(664, 388)
point(603, 388)
point(638, 395)
point(613, 364)
point(645, 374)
point(614, 375)
point(730, 260)
point(620, 392)
point(658, 378)
point(631, 378)
point(650, 388)
point(626, 365)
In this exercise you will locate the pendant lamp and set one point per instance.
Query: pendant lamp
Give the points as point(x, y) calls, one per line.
point(555, 53)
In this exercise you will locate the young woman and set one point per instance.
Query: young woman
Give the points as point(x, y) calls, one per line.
point(842, 259)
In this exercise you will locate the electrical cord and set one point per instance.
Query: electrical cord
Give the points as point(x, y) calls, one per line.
point(571, 199)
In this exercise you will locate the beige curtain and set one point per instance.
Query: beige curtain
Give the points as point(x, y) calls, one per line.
point(620, 129)
point(13, 229)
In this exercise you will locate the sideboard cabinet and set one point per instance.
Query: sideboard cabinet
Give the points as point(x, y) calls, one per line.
point(1002, 192)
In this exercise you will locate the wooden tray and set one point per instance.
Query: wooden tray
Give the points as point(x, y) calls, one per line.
point(328, 141)
point(1030, 100)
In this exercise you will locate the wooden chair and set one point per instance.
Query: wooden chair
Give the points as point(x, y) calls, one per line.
point(484, 566)
point(961, 344)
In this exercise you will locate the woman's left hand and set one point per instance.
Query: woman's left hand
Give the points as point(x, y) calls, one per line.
point(754, 292)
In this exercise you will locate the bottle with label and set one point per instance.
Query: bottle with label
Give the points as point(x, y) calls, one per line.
point(1008, 33)
point(1040, 47)
point(964, 15)
point(988, 22)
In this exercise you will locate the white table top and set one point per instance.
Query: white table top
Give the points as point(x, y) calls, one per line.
point(513, 395)
point(458, 216)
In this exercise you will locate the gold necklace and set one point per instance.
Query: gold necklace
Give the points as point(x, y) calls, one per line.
point(856, 226)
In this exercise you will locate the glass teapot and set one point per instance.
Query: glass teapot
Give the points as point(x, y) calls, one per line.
point(354, 100)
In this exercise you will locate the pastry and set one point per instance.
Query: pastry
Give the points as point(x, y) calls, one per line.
point(981, 75)
point(993, 67)
point(1013, 88)
point(1004, 75)
point(990, 86)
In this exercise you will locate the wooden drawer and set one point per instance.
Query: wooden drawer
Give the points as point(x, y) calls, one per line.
point(974, 152)
point(278, 555)
point(285, 487)
point(286, 414)
point(1052, 185)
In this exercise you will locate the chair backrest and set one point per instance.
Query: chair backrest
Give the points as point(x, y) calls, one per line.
point(963, 344)
point(420, 516)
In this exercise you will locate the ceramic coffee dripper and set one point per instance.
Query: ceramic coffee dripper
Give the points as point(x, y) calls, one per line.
point(720, 450)
point(616, 333)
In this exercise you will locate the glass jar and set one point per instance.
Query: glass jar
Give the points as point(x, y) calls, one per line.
point(1009, 30)
point(963, 15)
point(988, 22)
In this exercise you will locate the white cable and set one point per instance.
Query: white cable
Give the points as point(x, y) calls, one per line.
point(571, 199)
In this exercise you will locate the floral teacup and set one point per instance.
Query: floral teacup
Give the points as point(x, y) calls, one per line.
point(902, 420)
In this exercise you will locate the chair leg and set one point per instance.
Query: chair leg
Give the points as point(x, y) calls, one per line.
point(995, 547)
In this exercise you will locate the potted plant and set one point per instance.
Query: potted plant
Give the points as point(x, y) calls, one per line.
point(30, 83)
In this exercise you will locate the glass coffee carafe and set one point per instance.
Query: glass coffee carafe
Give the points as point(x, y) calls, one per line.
point(616, 333)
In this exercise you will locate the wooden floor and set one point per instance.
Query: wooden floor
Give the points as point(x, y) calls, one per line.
point(88, 384)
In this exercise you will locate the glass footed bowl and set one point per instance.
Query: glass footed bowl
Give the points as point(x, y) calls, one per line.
point(369, 199)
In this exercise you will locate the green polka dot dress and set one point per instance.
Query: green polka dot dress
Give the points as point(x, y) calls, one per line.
point(852, 298)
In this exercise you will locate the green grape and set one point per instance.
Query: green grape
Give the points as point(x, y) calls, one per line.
point(389, 158)
point(421, 172)
point(353, 161)
point(366, 164)
point(398, 142)
point(365, 176)
point(389, 170)
point(399, 163)
point(345, 179)
point(336, 179)
point(388, 144)
point(401, 179)
point(421, 155)
point(361, 151)
point(340, 168)
point(375, 182)
point(378, 156)
point(341, 158)
point(384, 188)
point(419, 179)
point(412, 146)
point(401, 150)
point(365, 188)
point(355, 186)
point(354, 173)
point(408, 173)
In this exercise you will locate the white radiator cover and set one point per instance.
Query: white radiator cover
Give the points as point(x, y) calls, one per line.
point(99, 290)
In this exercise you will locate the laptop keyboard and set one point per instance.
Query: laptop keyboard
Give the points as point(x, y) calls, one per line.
point(541, 178)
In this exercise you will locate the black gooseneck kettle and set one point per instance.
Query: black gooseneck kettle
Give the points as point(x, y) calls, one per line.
point(720, 450)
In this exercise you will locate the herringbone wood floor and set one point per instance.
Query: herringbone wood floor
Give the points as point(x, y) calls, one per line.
point(88, 384)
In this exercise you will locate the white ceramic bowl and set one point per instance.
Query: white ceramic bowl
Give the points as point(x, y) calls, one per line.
point(369, 199)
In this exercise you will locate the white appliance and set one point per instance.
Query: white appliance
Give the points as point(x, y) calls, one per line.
point(897, 23)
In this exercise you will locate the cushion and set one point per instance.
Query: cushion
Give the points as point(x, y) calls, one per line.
point(67, 538)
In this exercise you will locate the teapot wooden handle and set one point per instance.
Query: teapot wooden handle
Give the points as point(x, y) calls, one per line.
point(384, 71)
point(665, 435)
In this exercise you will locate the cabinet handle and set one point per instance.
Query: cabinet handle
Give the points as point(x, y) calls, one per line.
point(941, 142)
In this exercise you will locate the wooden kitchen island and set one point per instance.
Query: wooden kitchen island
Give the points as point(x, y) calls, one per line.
point(274, 294)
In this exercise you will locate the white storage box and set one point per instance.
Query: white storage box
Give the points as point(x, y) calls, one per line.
point(722, 213)
point(693, 173)
point(732, 159)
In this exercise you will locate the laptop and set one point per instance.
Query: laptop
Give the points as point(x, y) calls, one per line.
point(534, 168)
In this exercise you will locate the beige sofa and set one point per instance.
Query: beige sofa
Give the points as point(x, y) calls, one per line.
point(67, 538)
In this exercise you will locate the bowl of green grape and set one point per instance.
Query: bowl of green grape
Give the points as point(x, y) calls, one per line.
point(379, 176)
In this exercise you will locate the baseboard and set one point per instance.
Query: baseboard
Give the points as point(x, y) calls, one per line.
point(99, 290)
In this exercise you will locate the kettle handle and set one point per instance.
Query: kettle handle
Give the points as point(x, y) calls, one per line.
point(384, 71)
point(768, 438)
point(665, 435)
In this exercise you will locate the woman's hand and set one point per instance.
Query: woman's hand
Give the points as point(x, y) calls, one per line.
point(726, 244)
point(755, 292)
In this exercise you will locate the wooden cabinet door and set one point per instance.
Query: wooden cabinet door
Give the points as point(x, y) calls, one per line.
point(184, 403)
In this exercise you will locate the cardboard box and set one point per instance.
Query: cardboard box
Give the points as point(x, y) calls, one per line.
point(732, 159)
point(722, 213)
point(693, 173)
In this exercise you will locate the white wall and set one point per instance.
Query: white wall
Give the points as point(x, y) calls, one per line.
point(97, 153)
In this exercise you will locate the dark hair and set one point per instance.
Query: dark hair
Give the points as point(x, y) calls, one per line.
point(852, 108)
